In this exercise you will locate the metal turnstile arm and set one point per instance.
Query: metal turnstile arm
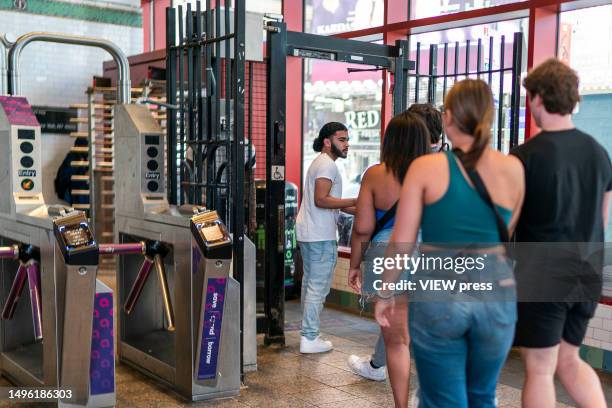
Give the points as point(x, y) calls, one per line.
point(28, 269)
point(155, 251)
point(161, 273)
point(15, 292)
point(123, 249)
point(136, 289)
point(11, 252)
point(35, 303)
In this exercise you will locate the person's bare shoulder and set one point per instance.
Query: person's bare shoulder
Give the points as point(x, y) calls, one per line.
point(372, 174)
point(432, 162)
point(510, 167)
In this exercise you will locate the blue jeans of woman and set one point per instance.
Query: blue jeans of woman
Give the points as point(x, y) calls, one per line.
point(319, 260)
point(459, 349)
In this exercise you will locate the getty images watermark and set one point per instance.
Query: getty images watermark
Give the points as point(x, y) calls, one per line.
point(423, 263)
point(526, 272)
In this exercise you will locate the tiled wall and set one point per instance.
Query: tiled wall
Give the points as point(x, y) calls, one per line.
point(58, 75)
point(341, 294)
point(340, 281)
point(599, 333)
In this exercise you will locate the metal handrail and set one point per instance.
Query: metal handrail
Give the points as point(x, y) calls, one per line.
point(5, 44)
point(123, 89)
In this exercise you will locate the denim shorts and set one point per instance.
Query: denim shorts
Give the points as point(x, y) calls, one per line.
point(375, 249)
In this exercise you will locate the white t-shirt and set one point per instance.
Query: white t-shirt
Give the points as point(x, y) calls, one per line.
point(313, 223)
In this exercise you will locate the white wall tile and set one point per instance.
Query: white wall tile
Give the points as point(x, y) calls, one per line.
point(606, 346)
point(604, 311)
point(602, 335)
point(596, 323)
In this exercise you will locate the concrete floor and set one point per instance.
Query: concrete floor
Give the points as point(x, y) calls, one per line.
point(286, 378)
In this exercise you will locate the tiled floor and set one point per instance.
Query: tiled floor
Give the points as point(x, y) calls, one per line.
point(288, 379)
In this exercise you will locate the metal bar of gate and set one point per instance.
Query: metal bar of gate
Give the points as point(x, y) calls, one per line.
point(467, 59)
point(190, 95)
point(210, 89)
point(456, 72)
point(500, 99)
point(400, 89)
point(228, 94)
point(433, 69)
point(417, 79)
point(171, 99)
point(217, 109)
point(517, 54)
point(238, 182)
point(495, 71)
point(490, 66)
point(198, 101)
point(478, 58)
point(445, 72)
point(275, 156)
point(181, 97)
point(249, 183)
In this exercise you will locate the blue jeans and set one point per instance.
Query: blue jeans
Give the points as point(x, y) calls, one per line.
point(319, 259)
point(466, 341)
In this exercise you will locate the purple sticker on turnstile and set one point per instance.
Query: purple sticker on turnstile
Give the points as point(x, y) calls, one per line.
point(211, 335)
point(18, 111)
point(102, 369)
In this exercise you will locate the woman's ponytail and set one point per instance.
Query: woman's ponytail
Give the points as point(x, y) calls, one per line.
point(471, 104)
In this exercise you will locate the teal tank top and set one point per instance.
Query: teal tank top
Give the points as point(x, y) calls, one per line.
point(460, 216)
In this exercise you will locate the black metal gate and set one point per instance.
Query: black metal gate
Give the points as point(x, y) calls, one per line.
point(281, 44)
point(205, 125)
point(443, 70)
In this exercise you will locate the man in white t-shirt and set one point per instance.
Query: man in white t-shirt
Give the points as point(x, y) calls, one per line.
point(316, 230)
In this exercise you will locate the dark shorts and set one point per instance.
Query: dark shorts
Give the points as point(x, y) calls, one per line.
point(542, 325)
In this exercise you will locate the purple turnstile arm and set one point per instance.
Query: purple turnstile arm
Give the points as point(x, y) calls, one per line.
point(34, 285)
point(15, 292)
point(122, 249)
point(9, 252)
point(139, 283)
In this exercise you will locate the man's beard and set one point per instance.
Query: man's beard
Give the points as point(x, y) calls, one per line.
point(337, 152)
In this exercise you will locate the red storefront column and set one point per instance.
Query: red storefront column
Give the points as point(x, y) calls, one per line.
point(543, 28)
point(395, 12)
point(293, 12)
point(159, 23)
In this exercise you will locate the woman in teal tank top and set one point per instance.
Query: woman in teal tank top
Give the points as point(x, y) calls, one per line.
point(459, 347)
point(406, 138)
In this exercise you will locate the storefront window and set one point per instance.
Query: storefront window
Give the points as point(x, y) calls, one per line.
point(439, 70)
point(585, 43)
point(327, 17)
point(333, 94)
point(430, 8)
point(264, 6)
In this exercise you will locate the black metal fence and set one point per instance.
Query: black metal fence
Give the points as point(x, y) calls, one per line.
point(448, 63)
point(205, 68)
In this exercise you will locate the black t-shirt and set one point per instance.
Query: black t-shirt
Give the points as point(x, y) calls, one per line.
point(567, 174)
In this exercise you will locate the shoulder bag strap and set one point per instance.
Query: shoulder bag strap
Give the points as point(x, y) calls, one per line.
point(484, 194)
point(380, 224)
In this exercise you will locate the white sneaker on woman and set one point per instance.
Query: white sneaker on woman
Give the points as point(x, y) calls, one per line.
point(317, 345)
point(361, 366)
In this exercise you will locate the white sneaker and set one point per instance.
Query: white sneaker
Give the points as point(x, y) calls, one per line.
point(317, 345)
point(361, 366)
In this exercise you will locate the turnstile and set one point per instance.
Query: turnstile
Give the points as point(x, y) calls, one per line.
point(160, 321)
point(48, 337)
